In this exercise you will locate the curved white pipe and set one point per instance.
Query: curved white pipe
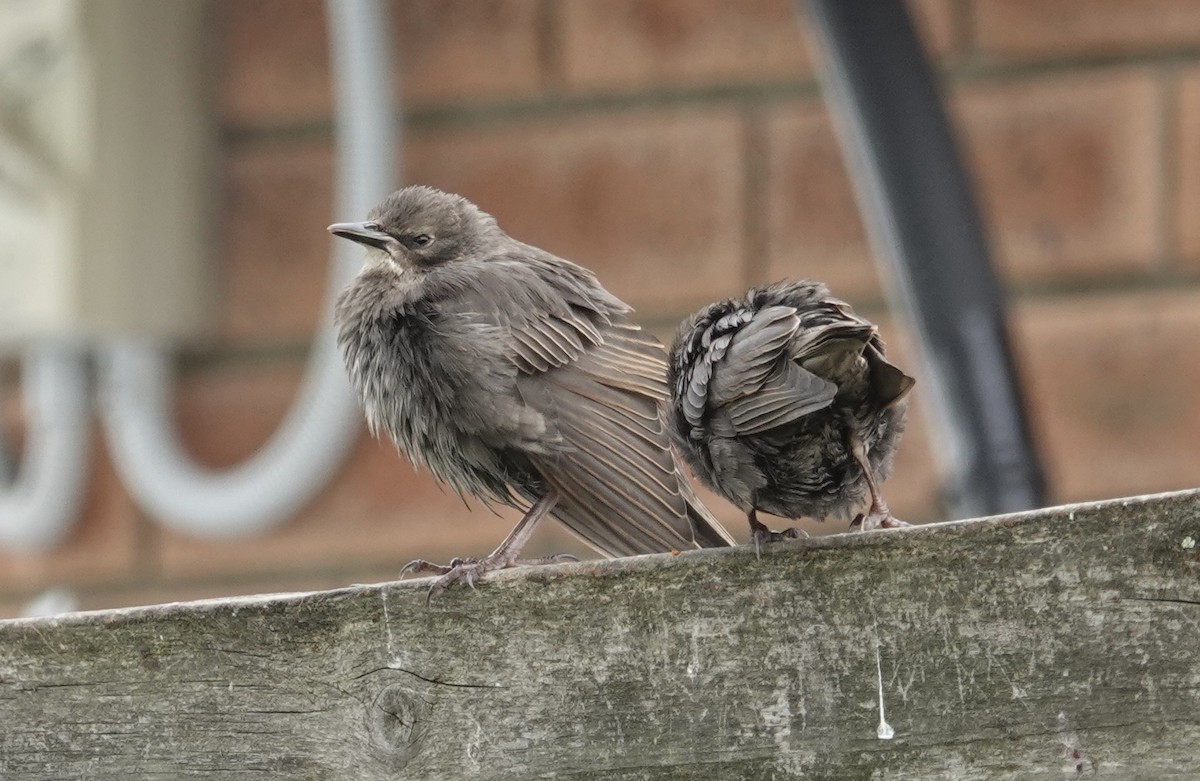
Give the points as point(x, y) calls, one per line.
point(324, 419)
point(43, 502)
point(51, 602)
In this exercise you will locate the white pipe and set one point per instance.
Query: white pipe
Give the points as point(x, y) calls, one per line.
point(324, 420)
point(43, 502)
point(51, 602)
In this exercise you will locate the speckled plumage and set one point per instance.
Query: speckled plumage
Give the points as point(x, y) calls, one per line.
point(772, 396)
point(513, 375)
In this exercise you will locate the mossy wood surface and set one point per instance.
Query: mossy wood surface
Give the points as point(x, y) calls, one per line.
point(1058, 644)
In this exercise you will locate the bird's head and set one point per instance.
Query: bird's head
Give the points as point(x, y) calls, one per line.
point(419, 227)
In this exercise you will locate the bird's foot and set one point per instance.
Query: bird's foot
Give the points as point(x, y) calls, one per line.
point(877, 520)
point(468, 570)
point(761, 535)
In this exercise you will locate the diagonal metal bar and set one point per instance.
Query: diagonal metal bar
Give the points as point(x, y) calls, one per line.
point(929, 242)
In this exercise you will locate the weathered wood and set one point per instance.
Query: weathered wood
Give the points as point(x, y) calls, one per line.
point(1055, 644)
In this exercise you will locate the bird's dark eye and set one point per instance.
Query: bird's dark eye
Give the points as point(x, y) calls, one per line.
point(421, 239)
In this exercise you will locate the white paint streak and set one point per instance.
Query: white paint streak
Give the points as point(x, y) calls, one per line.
point(387, 624)
point(473, 747)
point(1075, 762)
point(693, 665)
point(903, 687)
point(778, 716)
point(884, 731)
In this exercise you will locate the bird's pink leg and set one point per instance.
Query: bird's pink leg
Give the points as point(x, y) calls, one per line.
point(878, 515)
point(760, 533)
point(505, 555)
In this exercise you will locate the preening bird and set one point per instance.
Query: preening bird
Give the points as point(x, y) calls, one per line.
point(515, 378)
point(782, 401)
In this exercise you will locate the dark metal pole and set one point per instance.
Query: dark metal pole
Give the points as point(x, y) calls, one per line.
point(929, 242)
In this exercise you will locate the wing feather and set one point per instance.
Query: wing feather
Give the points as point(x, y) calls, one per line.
point(747, 372)
point(788, 395)
point(598, 380)
point(656, 481)
point(753, 352)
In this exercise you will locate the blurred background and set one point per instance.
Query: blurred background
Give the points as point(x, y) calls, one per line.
point(680, 149)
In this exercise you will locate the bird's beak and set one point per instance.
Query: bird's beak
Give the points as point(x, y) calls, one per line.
point(363, 233)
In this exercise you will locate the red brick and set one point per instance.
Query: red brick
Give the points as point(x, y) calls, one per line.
point(1021, 29)
point(458, 50)
point(274, 251)
point(650, 200)
point(1187, 156)
point(812, 220)
point(607, 44)
point(102, 546)
point(1068, 171)
point(275, 63)
point(227, 411)
point(1112, 384)
point(622, 44)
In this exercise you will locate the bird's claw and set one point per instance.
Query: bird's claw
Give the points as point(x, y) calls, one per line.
point(875, 520)
point(423, 567)
point(460, 569)
point(469, 570)
point(762, 535)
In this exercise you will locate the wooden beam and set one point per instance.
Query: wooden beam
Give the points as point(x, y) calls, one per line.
point(1057, 644)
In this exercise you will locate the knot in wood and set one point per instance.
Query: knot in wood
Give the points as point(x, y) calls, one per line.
point(395, 722)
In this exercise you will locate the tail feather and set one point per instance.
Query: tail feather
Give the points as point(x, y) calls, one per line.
point(707, 530)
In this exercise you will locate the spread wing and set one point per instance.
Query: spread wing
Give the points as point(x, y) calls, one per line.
point(599, 381)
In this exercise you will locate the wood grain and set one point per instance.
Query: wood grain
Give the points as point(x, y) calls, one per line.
point(1058, 644)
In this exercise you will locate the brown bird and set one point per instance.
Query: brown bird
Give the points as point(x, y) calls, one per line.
point(515, 378)
point(783, 401)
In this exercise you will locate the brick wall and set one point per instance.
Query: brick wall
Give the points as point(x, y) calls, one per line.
point(680, 149)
